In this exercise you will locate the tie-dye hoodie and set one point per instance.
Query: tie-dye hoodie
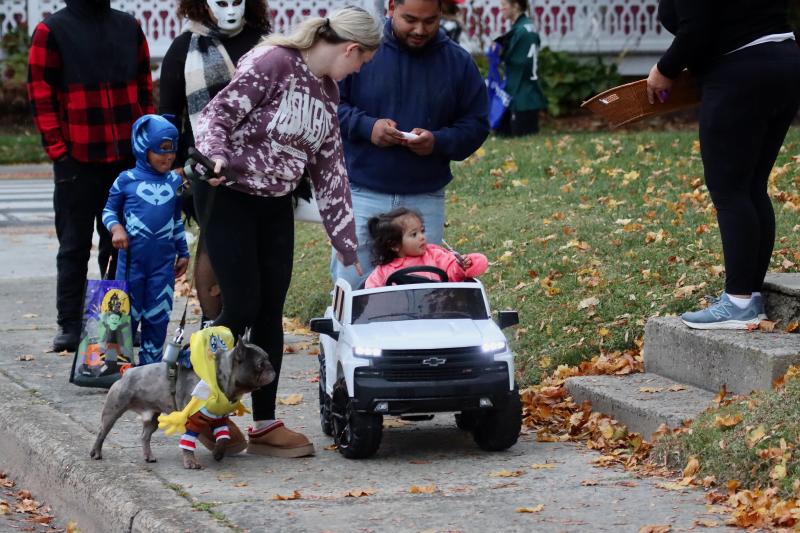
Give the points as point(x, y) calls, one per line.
point(271, 122)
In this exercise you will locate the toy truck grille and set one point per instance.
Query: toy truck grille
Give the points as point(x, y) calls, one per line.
point(432, 364)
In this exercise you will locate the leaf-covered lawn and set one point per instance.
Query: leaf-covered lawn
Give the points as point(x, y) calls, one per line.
point(21, 148)
point(588, 235)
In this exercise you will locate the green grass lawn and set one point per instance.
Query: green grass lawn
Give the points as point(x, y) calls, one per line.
point(21, 148)
point(752, 440)
point(587, 235)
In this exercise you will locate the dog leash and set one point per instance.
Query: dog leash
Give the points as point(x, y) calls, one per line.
point(173, 348)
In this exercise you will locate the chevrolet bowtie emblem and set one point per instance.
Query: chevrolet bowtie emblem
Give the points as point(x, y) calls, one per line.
point(434, 361)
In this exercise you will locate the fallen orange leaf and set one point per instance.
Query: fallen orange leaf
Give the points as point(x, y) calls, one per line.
point(424, 489)
point(691, 467)
point(507, 473)
point(729, 421)
point(292, 399)
point(293, 496)
point(655, 528)
point(358, 493)
point(535, 509)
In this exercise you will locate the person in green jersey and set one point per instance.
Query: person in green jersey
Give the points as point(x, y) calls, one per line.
point(519, 55)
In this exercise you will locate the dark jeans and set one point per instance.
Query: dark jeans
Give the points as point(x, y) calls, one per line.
point(749, 99)
point(250, 241)
point(81, 191)
point(518, 123)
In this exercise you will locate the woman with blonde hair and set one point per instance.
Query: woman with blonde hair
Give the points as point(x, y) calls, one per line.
point(276, 120)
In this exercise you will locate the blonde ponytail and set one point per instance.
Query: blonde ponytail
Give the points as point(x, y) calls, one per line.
point(351, 24)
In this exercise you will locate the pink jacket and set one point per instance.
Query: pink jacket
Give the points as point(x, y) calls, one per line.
point(434, 256)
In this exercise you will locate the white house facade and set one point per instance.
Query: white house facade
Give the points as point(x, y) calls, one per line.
point(624, 30)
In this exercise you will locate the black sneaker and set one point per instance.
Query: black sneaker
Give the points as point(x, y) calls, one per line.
point(66, 340)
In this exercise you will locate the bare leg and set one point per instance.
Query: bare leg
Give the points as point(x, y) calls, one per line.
point(148, 428)
point(206, 282)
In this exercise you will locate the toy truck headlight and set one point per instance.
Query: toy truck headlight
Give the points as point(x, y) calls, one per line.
point(367, 351)
point(494, 347)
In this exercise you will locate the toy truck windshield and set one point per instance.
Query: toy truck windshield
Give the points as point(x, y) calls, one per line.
point(414, 304)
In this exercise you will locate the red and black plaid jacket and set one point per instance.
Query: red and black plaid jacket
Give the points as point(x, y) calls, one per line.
point(88, 82)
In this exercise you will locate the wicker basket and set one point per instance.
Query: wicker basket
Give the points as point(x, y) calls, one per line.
point(628, 103)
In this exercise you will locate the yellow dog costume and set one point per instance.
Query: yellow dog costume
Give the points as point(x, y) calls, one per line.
point(205, 345)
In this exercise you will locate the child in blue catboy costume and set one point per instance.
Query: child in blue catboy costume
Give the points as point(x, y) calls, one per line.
point(143, 215)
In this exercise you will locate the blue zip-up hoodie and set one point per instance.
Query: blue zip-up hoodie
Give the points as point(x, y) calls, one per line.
point(438, 89)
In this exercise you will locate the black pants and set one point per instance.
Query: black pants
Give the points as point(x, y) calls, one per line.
point(250, 242)
point(749, 99)
point(80, 194)
point(518, 123)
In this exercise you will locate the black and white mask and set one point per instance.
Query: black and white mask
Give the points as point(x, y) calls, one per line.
point(229, 13)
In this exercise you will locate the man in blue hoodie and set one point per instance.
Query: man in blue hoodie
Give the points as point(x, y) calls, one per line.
point(419, 83)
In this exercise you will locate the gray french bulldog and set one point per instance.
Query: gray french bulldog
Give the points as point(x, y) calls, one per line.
point(146, 391)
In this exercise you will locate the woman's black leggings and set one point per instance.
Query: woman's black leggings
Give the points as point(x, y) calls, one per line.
point(749, 99)
point(250, 242)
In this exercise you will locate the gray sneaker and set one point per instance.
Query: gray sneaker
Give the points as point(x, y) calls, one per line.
point(723, 314)
point(758, 301)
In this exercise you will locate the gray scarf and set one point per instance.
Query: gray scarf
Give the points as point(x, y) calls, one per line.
point(208, 68)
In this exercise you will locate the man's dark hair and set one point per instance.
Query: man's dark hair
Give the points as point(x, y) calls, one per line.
point(523, 4)
point(401, 2)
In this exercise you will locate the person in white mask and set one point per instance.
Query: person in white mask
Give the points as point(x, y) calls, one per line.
point(197, 65)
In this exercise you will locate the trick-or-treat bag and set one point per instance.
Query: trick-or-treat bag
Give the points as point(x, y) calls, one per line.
point(106, 346)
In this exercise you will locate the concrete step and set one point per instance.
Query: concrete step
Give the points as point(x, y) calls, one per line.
point(626, 398)
point(782, 297)
point(742, 360)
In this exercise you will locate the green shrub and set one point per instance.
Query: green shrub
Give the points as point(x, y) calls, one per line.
point(568, 81)
point(15, 44)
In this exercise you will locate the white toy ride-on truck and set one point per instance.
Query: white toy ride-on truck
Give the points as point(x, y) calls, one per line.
point(413, 348)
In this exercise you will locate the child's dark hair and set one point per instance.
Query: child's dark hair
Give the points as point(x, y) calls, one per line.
point(387, 233)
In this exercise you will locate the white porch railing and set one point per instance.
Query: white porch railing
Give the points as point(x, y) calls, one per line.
point(606, 27)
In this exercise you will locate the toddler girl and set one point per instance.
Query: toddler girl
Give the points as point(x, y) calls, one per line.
point(398, 241)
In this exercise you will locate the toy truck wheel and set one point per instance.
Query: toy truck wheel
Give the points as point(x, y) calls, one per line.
point(467, 420)
point(325, 416)
point(357, 435)
point(498, 429)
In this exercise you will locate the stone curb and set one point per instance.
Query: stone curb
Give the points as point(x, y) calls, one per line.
point(49, 454)
point(742, 360)
point(621, 398)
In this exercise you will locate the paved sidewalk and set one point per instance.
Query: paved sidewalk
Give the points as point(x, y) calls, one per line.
point(26, 171)
point(47, 428)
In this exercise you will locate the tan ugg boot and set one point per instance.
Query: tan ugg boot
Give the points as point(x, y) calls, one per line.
point(276, 440)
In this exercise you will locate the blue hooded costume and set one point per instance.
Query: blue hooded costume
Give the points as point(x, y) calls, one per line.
point(146, 203)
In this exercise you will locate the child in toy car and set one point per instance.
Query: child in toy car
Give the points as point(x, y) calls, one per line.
point(398, 241)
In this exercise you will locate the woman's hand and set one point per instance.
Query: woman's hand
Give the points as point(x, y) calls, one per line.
point(357, 265)
point(119, 237)
point(385, 133)
point(219, 164)
point(180, 266)
point(658, 86)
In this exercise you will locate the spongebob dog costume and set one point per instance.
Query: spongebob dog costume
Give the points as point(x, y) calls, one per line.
point(209, 407)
